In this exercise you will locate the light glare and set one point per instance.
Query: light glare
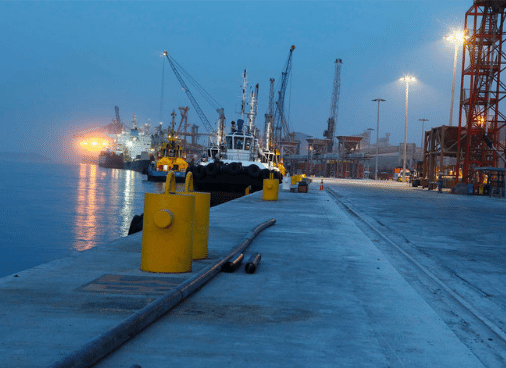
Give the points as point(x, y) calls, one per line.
point(408, 79)
point(457, 37)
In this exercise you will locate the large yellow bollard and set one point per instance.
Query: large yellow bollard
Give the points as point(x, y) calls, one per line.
point(167, 236)
point(201, 228)
point(270, 189)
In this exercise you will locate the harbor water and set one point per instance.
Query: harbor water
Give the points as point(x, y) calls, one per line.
point(52, 210)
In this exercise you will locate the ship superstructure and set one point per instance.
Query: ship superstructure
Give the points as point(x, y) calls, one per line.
point(133, 143)
point(130, 150)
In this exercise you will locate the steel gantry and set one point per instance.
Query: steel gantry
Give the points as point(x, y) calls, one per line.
point(481, 123)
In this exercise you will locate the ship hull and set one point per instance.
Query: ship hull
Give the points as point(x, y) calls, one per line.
point(161, 176)
point(229, 178)
point(111, 161)
point(137, 165)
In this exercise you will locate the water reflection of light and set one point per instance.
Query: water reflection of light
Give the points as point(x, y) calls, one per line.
point(86, 208)
point(128, 196)
point(107, 200)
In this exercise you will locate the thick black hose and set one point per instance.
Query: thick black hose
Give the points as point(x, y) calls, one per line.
point(104, 344)
point(231, 266)
point(253, 262)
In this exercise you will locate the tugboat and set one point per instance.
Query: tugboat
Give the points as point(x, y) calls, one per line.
point(241, 168)
point(169, 156)
point(236, 165)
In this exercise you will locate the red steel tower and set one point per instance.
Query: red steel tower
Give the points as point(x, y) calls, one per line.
point(481, 123)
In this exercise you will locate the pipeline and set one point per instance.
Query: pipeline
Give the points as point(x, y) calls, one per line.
point(231, 266)
point(112, 339)
point(253, 262)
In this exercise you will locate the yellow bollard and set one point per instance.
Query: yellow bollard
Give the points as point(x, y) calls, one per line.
point(270, 189)
point(201, 228)
point(296, 178)
point(167, 236)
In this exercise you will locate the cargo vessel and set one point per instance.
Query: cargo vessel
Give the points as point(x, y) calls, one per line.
point(130, 150)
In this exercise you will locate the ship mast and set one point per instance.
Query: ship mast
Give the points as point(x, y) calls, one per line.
point(244, 87)
point(253, 109)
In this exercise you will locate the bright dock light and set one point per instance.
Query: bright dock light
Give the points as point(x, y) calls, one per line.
point(408, 79)
point(457, 37)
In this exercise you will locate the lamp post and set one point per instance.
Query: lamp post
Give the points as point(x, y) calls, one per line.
point(406, 79)
point(377, 137)
point(369, 147)
point(457, 38)
point(423, 131)
point(369, 136)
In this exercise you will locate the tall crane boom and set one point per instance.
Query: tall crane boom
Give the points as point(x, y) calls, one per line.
point(280, 124)
point(201, 114)
point(336, 90)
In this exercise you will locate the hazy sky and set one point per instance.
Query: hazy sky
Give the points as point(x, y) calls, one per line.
point(65, 65)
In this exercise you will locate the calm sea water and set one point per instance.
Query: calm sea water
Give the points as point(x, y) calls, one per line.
point(52, 210)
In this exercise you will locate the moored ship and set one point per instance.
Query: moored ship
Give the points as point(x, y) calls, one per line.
point(237, 167)
point(237, 164)
point(130, 151)
point(169, 156)
point(111, 159)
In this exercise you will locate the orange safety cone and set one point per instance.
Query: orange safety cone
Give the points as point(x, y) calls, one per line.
point(321, 185)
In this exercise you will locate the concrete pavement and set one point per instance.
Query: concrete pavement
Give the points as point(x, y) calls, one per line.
point(323, 295)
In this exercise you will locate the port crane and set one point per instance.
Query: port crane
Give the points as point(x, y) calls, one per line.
point(281, 130)
point(221, 120)
point(183, 125)
point(336, 90)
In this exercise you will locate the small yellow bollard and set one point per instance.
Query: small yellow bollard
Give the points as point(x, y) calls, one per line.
point(201, 228)
point(270, 189)
point(296, 178)
point(167, 236)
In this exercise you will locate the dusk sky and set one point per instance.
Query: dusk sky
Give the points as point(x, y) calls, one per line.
point(65, 65)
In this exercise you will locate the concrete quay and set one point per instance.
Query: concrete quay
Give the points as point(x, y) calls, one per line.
point(324, 295)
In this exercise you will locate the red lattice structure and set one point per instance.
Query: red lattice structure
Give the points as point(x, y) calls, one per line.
point(481, 123)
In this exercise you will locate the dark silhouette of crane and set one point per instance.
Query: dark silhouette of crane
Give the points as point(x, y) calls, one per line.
point(281, 129)
point(336, 90)
point(116, 127)
point(221, 124)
